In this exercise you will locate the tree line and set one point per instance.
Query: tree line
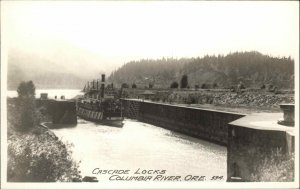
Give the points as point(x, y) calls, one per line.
point(253, 69)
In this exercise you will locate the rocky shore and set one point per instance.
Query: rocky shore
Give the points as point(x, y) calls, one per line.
point(253, 100)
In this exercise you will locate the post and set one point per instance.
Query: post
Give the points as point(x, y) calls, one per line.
point(288, 115)
point(102, 85)
point(97, 85)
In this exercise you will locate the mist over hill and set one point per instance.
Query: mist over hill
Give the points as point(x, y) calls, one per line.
point(252, 68)
point(67, 71)
point(72, 70)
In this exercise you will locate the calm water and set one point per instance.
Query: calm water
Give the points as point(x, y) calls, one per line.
point(138, 146)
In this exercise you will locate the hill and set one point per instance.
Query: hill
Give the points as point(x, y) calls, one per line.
point(252, 68)
point(60, 71)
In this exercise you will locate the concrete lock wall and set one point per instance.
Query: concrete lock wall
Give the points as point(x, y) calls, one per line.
point(249, 146)
point(201, 123)
point(253, 140)
point(63, 112)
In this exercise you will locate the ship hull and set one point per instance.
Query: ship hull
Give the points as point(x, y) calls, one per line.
point(98, 117)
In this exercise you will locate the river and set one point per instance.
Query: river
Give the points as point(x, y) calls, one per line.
point(68, 93)
point(142, 146)
point(139, 146)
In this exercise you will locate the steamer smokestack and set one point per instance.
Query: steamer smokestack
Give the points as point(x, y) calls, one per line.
point(102, 85)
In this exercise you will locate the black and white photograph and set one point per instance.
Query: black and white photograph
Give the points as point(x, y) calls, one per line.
point(149, 94)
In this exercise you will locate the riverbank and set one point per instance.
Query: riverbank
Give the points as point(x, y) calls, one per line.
point(36, 154)
point(256, 100)
point(246, 101)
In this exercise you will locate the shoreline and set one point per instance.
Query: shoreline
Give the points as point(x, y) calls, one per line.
point(35, 153)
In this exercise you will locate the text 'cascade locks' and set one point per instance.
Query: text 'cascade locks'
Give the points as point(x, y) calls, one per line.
point(150, 175)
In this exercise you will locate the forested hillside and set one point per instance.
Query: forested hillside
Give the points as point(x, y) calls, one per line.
point(253, 69)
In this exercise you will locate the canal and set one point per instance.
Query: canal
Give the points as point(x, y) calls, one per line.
point(139, 146)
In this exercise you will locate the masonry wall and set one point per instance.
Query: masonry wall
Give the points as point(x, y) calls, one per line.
point(63, 112)
point(59, 112)
point(201, 123)
point(248, 148)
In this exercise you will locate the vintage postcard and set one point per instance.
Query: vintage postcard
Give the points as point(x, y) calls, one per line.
point(149, 94)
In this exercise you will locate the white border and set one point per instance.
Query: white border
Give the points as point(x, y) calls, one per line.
point(6, 185)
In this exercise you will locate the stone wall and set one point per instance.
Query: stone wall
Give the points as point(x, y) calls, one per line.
point(258, 147)
point(201, 123)
point(63, 112)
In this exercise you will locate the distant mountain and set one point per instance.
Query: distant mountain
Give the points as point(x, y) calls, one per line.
point(252, 68)
point(70, 72)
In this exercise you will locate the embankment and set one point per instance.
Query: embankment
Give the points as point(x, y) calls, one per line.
point(220, 97)
point(250, 99)
point(35, 154)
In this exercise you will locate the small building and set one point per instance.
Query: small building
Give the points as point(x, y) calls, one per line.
point(146, 95)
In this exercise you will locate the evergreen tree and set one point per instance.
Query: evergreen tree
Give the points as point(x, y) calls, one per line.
point(184, 82)
point(150, 85)
point(26, 103)
point(26, 89)
point(254, 68)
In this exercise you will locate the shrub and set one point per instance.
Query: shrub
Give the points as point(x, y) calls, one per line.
point(39, 157)
point(276, 167)
point(204, 86)
point(191, 99)
point(36, 155)
point(215, 85)
point(124, 85)
point(22, 115)
point(174, 85)
point(28, 114)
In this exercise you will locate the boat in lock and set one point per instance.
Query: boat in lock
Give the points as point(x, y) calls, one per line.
point(100, 103)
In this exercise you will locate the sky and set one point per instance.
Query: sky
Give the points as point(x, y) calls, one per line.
point(114, 32)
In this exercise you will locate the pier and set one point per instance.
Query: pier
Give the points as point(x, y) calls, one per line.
point(248, 138)
point(206, 124)
point(60, 111)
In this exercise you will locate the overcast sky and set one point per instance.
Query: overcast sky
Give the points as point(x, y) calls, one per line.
point(118, 32)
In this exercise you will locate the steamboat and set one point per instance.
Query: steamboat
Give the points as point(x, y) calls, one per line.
point(100, 103)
